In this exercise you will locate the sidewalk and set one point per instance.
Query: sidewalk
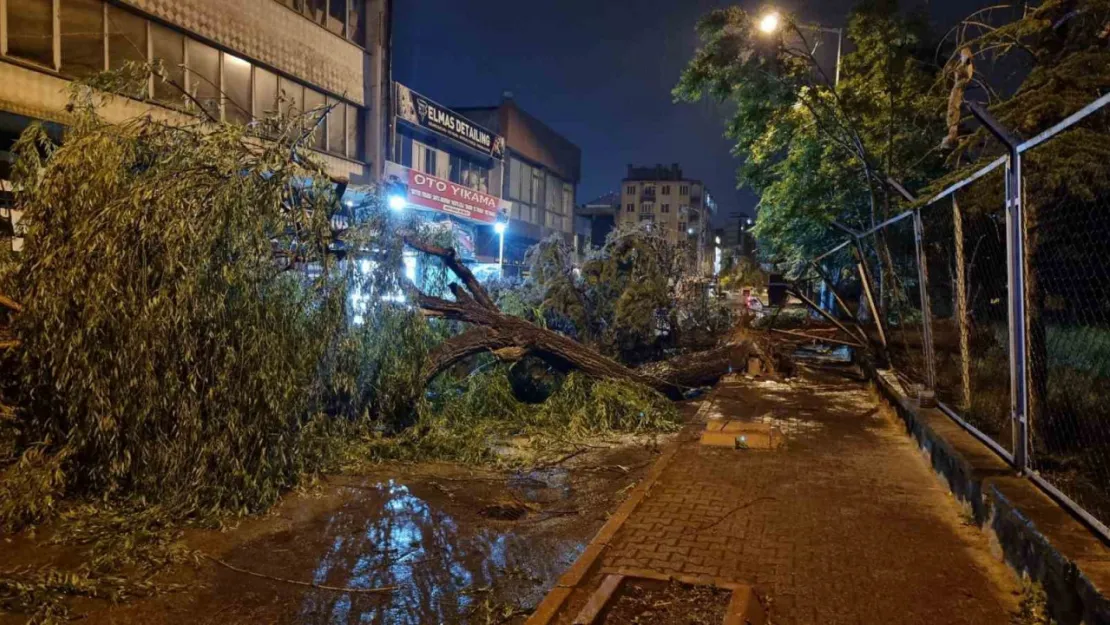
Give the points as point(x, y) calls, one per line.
point(845, 523)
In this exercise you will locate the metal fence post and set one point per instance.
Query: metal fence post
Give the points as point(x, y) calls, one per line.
point(926, 311)
point(1015, 271)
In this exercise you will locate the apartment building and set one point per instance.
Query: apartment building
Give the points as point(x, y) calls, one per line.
point(676, 207)
point(236, 58)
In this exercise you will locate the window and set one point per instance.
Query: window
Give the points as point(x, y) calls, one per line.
point(429, 161)
point(337, 128)
point(631, 208)
point(354, 133)
point(127, 38)
point(337, 14)
point(169, 48)
point(356, 22)
point(568, 199)
point(647, 207)
point(631, 189)
point(203, 76)
point(265, 93)
point(683, 190)
point(292, 96)
point(314, 105)
point(537, 186)
point(665, 208)
point(31, 30)
point(237, 88)
point(82, 23)
point(666, 189)
point(315, 10)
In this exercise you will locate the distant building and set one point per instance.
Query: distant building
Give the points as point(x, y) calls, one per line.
point(541, 173)
point(677, 207)
point(599, 217)
point(238, 60)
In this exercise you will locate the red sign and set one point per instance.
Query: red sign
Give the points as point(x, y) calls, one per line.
point(427, 191)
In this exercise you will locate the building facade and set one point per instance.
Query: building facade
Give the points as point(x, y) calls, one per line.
point(237, 59)
point(676, 207)
point(449, 169)
point(541, 171)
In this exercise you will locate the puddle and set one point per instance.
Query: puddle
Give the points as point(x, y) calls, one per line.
point(443, 570)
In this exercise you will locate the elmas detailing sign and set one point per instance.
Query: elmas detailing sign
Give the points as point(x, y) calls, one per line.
point(428, 191)
point(420, 111)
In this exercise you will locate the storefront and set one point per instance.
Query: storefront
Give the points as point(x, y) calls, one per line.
point(448, 168)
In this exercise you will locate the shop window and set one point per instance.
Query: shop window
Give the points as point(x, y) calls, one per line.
point(169, 48)
point(237, 88)
point(31, 30)
point(337, 127)
point(354, 132)
point(82, 31)
point(126, 38)
point(265, 93)
point(315, 105)
point(203, 76)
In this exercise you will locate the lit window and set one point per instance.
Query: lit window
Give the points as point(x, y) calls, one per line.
point(204, 76)
point(265, 93)
point(237, 87)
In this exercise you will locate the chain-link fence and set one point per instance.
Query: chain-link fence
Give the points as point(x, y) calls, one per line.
point(998, 301)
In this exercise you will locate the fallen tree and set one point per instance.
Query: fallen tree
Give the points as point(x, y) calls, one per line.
point(511, 338)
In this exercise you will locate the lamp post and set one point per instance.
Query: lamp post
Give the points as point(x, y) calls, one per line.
point(500, 227)
point(771, 21)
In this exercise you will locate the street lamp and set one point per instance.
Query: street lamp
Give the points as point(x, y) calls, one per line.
point(770, 22)
point(397, 202)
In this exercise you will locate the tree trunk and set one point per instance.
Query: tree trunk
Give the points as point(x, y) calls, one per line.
point(496, 331)
point(963, 318)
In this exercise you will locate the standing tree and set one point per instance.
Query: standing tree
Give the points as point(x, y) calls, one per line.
point(815, 152)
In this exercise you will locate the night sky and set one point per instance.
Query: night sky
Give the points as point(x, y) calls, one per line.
point(600, 72)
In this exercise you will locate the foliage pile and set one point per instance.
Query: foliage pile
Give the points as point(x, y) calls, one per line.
point(634, 299)
point(471, 420)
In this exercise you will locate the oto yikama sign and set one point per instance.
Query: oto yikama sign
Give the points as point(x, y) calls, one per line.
point(420, 111)
point(427, 191)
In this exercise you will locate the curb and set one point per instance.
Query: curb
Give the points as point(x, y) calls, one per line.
point(1036, 536)
point(553, 602)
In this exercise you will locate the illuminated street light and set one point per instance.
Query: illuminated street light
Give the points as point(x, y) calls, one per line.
point(769, 23)
point(690, 231)
point(397, 202)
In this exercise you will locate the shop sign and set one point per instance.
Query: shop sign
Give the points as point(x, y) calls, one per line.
point(427, 191)
point(424, 113)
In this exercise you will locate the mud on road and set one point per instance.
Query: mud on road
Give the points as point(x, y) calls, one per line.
point(458, 545)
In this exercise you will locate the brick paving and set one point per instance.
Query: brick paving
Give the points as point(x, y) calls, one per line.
point(844, 524)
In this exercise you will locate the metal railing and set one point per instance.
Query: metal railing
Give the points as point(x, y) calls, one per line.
point(993, 295)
